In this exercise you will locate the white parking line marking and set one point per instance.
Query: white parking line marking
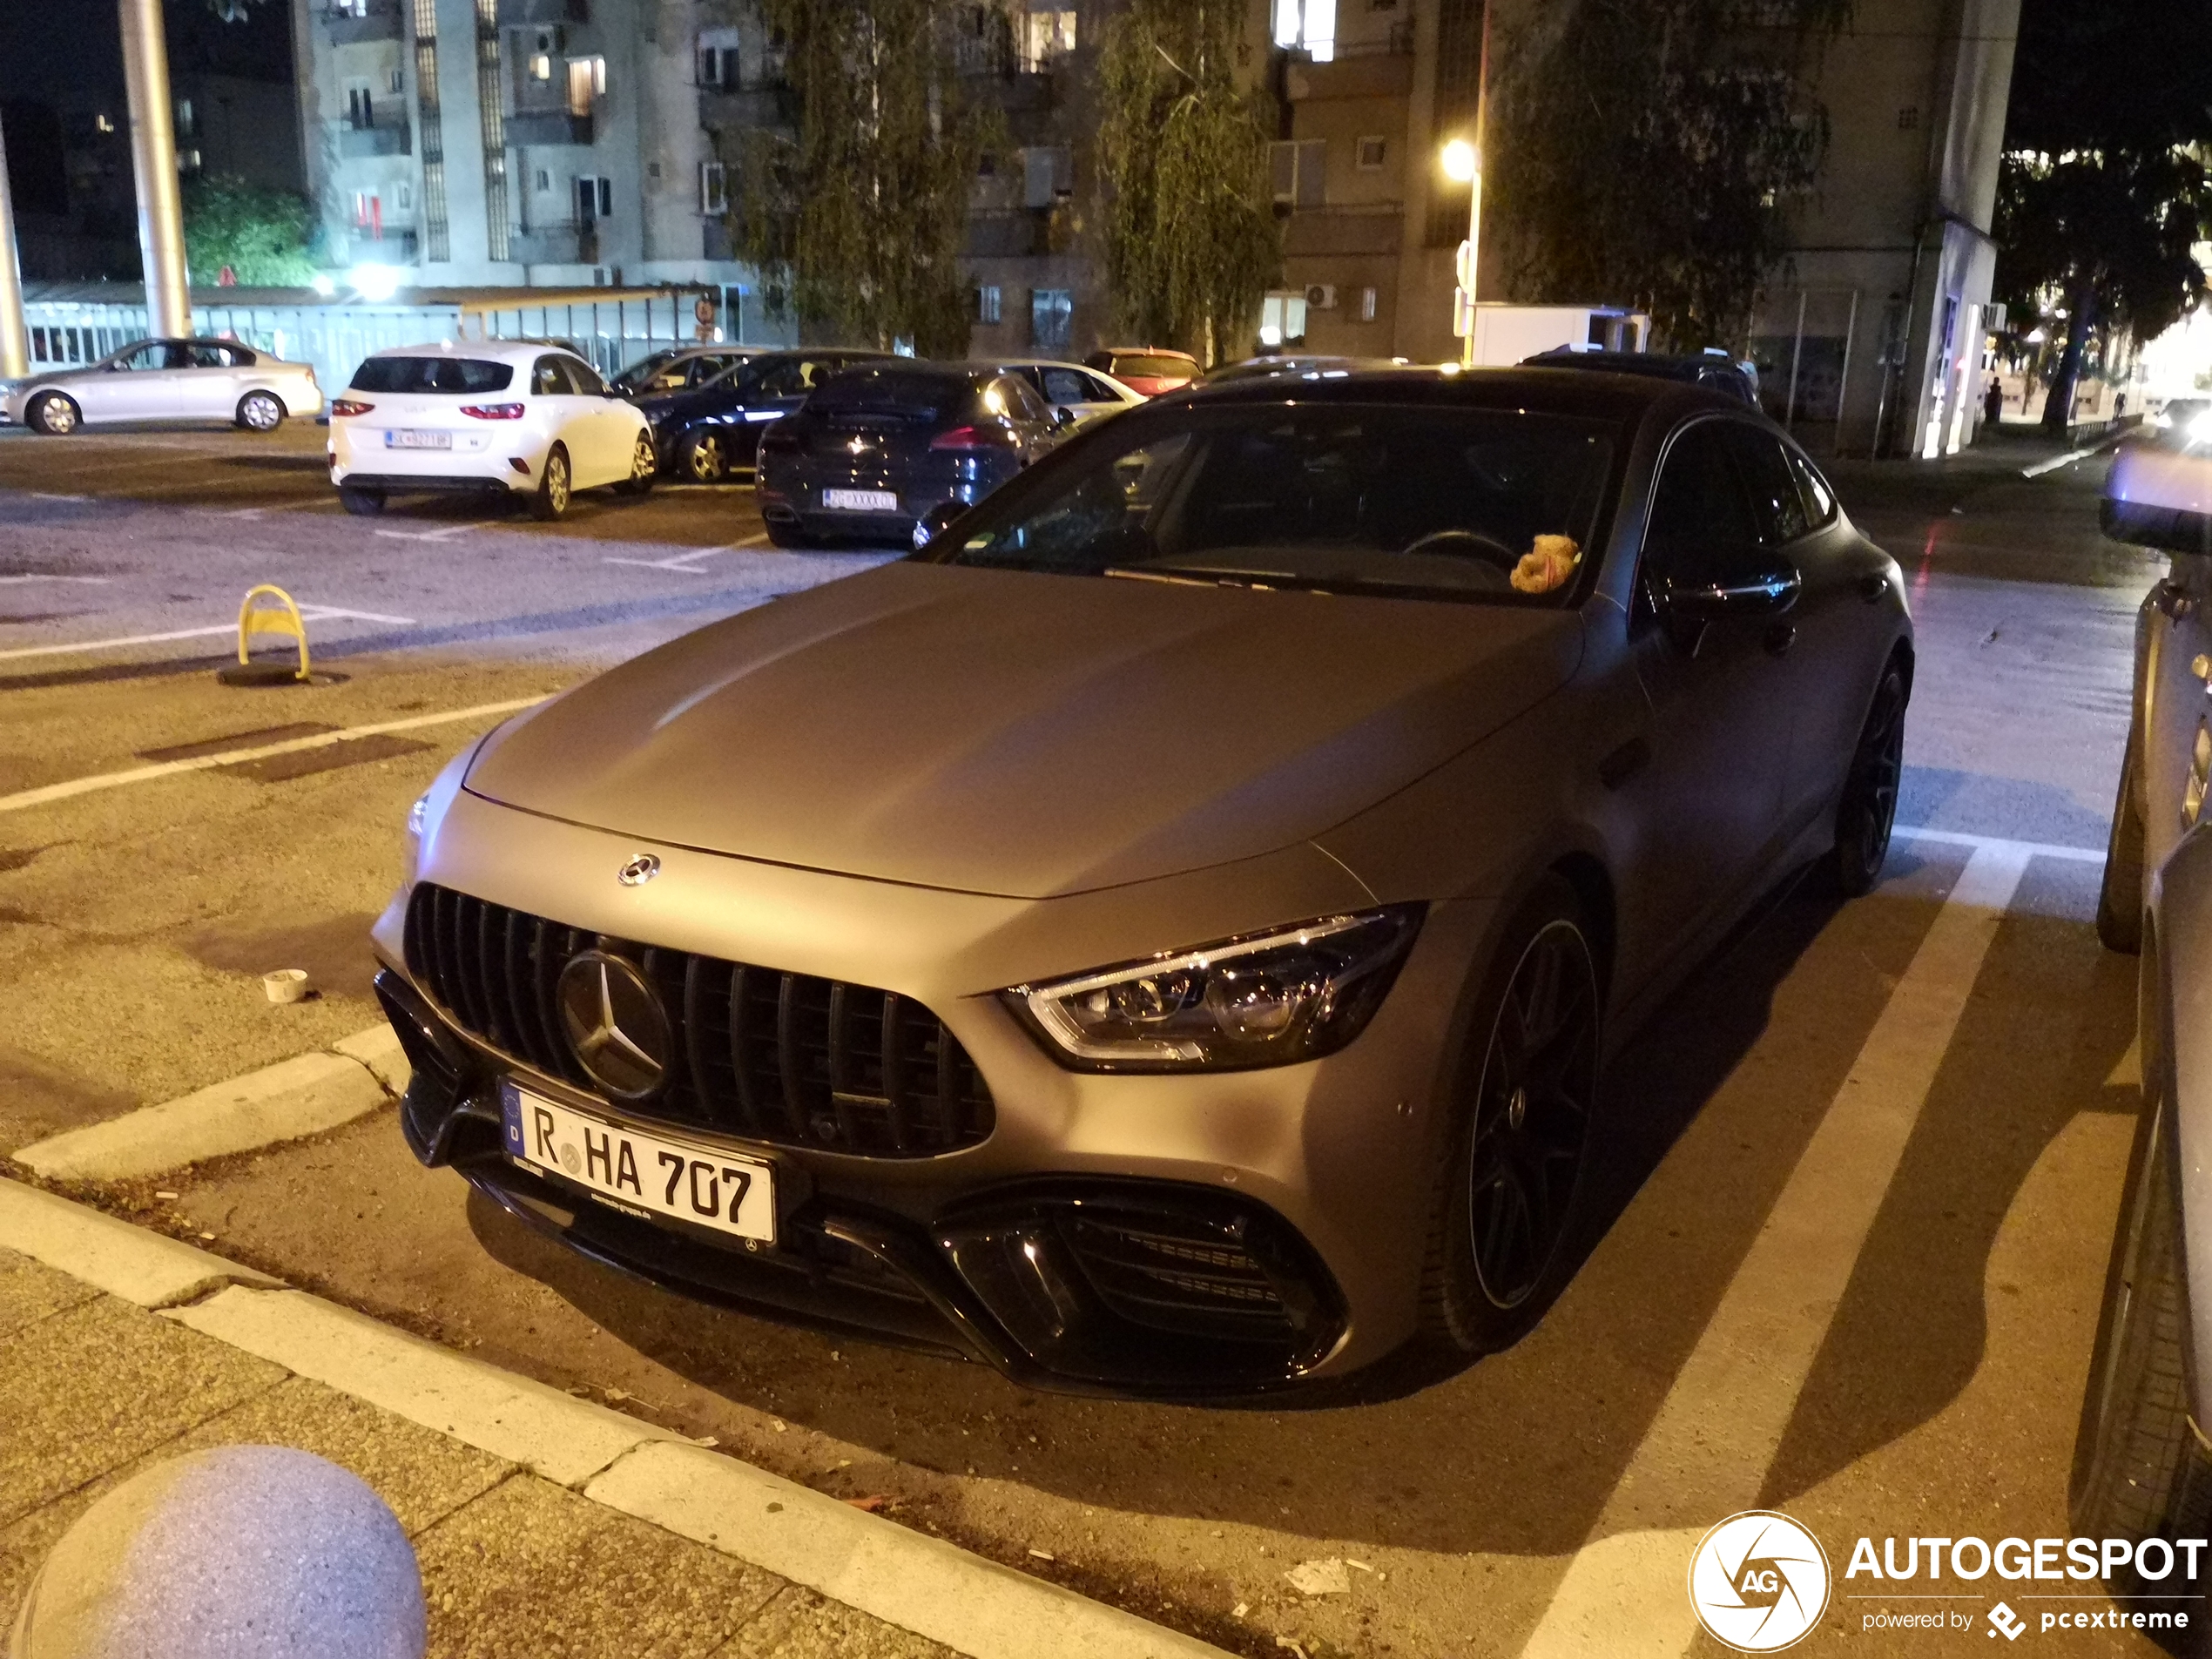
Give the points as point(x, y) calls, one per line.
point(308, 613)
point(446, 534)
point(102, 780)
point(48, 495)
point(2035, 849)
point(89, 581)
point(1706, 1453)
point(683, 561)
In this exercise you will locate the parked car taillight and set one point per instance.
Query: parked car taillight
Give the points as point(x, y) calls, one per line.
point(493, 411)
point(974, 438)
point(347, 406)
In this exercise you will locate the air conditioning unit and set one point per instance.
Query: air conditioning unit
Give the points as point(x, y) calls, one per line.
point(1321, 296)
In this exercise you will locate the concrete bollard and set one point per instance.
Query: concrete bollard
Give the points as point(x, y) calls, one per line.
point(245, 1552)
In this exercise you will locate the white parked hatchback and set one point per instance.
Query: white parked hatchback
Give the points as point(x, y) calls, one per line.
point(525, 418)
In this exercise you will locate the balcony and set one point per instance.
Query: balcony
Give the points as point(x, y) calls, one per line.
point(1379, 67)
point(535, 127)
point(1325, 231)
point(392, 139)
point(555, 245)
point(771, 103)
point(1023, 234)
point(525, 13)
point(377, 20)
point(393, 247)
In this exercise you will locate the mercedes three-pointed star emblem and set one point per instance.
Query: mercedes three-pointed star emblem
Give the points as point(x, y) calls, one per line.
point(615, 1025)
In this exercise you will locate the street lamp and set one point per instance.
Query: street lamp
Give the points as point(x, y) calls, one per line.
point(1462, 165)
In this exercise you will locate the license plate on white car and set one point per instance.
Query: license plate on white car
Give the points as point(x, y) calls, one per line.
point(401, 438)
point(643, 1172)
point(862, 501)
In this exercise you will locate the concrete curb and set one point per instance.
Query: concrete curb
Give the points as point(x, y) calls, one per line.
point(904, 1578)
point(907, 1578)
point(296, 1097)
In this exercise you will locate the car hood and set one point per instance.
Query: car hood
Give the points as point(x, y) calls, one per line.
point(1026, 735)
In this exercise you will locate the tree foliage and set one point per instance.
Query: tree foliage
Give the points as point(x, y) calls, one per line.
point(857, 222)
point(1645, 151)
point(262, 235)
point(1190, 239)
point(2104, 186)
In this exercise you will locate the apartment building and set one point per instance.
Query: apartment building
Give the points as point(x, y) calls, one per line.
point(1870, 333)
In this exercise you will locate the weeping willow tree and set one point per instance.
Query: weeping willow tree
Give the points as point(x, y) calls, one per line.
point(1647, 151)
point(1191, 240)
point(856, 219)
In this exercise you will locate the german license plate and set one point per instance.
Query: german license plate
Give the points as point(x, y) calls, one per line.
point(640, 1171)
point(402, 438)
point(862, 501)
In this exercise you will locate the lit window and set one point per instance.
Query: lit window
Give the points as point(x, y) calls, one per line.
point(540, 66)
point(1051, 317)
point(1307, 25)
point(713, 188)
point(1366, 304)
point(1050, 35)
point(586, 81)
point(184, 117)
point(1282, 319)
point(986, 303)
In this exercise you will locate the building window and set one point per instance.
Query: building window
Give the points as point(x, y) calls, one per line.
point(368, 213)
point(714, 196)
point(404, 196)
point(1048, 174)
point(987, 302)
point(586, 81)
point(188, 161)
point(1297, 166)
point(1309, 26)
point(1367, 305)
point(544, 181)
point(1282, 319)
point(594, 200)
point(184, 118)
point(1372, 153)
point(396, 83)
point(360, 108)
point(1047, 36)
point(719, 68)
point(1052, 312)
point(349, 7)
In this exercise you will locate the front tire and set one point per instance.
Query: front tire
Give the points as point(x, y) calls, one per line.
point(2141, 1468)
point(361, 504)
point(260, 411)
point(644, 464)
point(2120, 895)
point(55, 414)
point(1507, 1199)
point(1867, 812)
point(551, 503)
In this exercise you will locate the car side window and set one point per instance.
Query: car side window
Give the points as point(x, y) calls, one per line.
point(144, 358)
point(550, 378)
point(1778, 510)
point(1820, 499)
point(779, 379)
point(1066, 385)
point(1701, 532)
point(171, 353)
point(204, 355)
point(1099, 392)
point(1023, 403)
point(586, 379)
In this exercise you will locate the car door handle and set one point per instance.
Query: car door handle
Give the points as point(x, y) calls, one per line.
point(1779, 638)
point(1873, 585)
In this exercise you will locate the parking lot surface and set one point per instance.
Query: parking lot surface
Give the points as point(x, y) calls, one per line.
point(1850, 1231)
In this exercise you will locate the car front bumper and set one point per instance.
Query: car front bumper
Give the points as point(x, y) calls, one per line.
point(1186, 1235)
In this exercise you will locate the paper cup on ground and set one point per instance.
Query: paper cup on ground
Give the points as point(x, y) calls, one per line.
point(286, 985)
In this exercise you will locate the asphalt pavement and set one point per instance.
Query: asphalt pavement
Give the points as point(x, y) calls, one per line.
point(1882, 1328)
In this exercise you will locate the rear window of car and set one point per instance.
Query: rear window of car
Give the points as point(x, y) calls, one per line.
point(1149, 365)
point(397, 375)
point(918, 396)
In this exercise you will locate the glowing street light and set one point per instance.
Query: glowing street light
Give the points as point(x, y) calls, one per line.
point(1461, 164)
point(375, 282)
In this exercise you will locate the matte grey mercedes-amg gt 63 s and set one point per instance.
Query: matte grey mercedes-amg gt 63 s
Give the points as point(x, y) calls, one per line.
point(1163, 936)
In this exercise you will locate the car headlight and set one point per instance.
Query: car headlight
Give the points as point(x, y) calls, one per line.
point(1267, 999)
point(2201, 430)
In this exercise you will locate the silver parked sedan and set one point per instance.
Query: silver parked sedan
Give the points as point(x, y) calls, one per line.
point(168, 380)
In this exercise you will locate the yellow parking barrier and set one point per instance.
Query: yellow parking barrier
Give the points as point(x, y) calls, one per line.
point(280, 617)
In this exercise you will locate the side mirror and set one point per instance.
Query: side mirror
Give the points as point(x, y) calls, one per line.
point(1690, 606)
point(1064, 417)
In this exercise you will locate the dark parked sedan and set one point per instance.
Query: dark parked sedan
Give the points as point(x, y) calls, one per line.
point(711, 431)
point(890, 452)
point(1165, 935)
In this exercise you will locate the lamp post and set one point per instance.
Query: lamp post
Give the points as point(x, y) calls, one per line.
point(1462, 165)
point(14, 354)
point(153, 160)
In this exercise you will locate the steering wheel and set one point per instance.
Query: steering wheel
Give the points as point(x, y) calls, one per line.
point(1464, 543)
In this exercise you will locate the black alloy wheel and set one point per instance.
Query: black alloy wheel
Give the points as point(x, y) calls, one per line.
point(704, 461)
point(1510, 1187)
point(1867, 812)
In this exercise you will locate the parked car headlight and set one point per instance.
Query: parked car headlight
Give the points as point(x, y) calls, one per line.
point(1267, 999)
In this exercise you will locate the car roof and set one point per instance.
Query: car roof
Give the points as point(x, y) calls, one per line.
point(495, 351)
point(1146, 351)
point(1553, 390)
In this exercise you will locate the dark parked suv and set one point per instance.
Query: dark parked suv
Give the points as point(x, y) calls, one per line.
point(709, 433)
point(891, 452)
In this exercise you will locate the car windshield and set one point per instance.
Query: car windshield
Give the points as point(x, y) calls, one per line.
point(1492, 505)
point(397, 375)
point(638, 373)
point(913, 394)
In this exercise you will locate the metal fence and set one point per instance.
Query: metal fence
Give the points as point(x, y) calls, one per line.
point(611, 328)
